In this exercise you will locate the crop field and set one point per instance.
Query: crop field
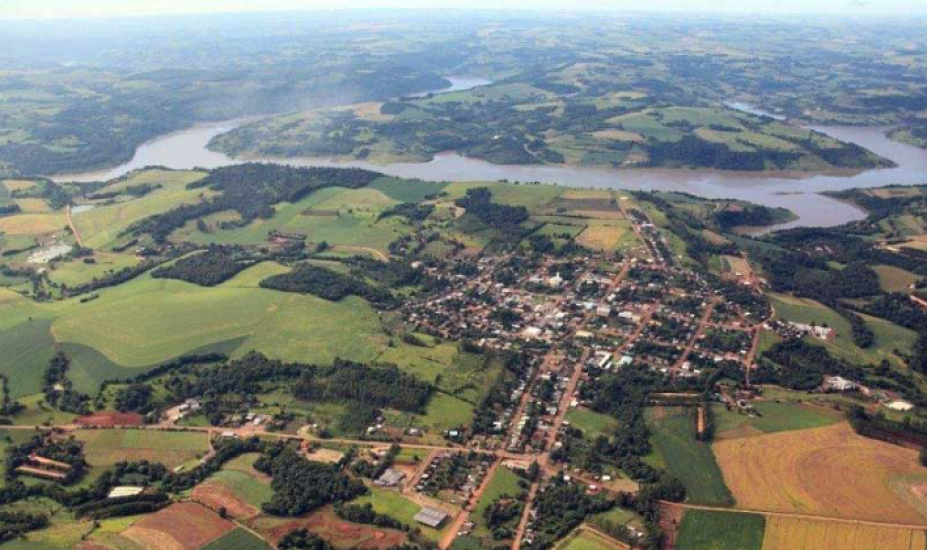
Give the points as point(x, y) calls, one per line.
point(690, 460)
point(704, 530)
point(804, 534)
point(238, 487)
point(181, 526)
point(106, 447)
point(239, 539)
point(829, 471)
point(584, 539)
point(324, 523)
point(775, 417)
point(108, 419)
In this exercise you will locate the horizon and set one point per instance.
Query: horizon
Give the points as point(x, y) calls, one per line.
point(114, 9)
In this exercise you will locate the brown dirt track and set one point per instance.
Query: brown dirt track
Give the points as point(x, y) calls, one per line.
point(182, 526)
point(324, 523)
point(828, 471)
point(108, 419)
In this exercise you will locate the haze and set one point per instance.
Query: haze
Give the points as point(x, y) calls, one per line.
point(12, 9)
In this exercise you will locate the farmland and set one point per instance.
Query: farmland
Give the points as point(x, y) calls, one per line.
point(182, 526)
point(773, 417)
point(690, 460)
point(827, 471)
point(584, 539)
point(238, 539)
point(791, 534)
point(704, 530)
point(106, 447)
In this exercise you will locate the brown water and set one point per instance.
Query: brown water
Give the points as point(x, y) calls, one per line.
point(797, 192)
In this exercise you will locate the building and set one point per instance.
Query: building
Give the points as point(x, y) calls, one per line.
point(390, 478)
point(432, 517)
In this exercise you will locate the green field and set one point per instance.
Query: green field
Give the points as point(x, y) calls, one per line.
point(238, 476)
point(393, 504)
point(703, 530)
point(106, 447)
point(690, 460)
point(238, 539)
point(584, 540)
point(776, 417)
point(592, 424)
point(888, 336)
point(503, 482)
point(895, 279)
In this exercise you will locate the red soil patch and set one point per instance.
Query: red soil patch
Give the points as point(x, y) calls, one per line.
point(182, 526)
point(216, 496)
point(109, 419)
point(339, 533)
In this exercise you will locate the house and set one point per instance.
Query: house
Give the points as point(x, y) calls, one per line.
point(432, 517)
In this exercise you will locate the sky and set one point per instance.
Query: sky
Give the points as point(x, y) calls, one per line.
point(15, 9)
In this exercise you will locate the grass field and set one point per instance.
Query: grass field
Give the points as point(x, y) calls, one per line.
point(592, 424)
point(602, 237)
point(894, 279)
point(776, 417)
point(888, 337)
point(393, 504)
point(583, 539)
point(690, 460)
point(801, 534)
point(827, 471)
point(704, 530)
point(101, 226)
point(181, 317)
point(106, 447)
point(239, 539)
point(503, 482)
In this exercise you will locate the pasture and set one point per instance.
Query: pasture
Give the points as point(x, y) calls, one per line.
point(603, 237)
point(181, 317)
point(894, 279)
point(690, 460)
point(704, 530)
point(773, 417)
point(888, 336)
point(591, 423)
point(238, 487)
point(107, 447)
point(805, 534)
point(828, 471)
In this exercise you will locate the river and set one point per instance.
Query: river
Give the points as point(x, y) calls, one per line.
point(796, 191)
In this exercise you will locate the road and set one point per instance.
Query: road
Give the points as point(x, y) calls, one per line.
point(73, 226)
